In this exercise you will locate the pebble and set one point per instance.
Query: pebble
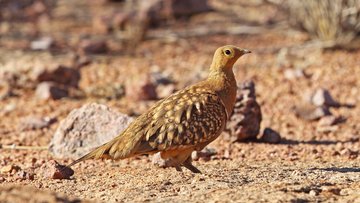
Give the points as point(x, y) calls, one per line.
point(53, 170)
point(50, 90)
point(322, 97)
point(270, 136)
point(43, 43)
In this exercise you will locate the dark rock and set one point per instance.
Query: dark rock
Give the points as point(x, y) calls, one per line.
point(86, 128)
point(50, 90)
point(322, 97)
point(93, 47)
point(245, 120)
point(270, 136)
point(53, 170)
point(181, 8)
point(61, 75)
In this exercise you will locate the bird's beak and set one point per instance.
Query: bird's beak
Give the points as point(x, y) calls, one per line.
point(245, 51)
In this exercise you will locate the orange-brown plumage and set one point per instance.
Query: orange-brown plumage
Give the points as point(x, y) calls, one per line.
point(185, 121)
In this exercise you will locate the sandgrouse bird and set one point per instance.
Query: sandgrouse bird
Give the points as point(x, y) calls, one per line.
point(185, 121)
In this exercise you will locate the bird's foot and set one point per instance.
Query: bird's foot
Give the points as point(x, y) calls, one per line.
point(191, 167)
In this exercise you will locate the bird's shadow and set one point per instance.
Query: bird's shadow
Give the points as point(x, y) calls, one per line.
point(339, 169)
point(285, 141)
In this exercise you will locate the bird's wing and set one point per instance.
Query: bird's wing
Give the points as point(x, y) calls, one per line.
point(191, 117)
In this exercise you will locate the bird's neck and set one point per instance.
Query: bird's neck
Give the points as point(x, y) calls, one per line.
point(224, 84)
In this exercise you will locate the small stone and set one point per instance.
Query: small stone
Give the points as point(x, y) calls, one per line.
point(330, 120)
point(86, 128)
point(93, 47)
point(42, 43)
point(292, 74)
point(9, 169)
point(331, 189)
point(6, 169)
point(322, 97)
point(311, 112)
point(204, 154)
point(270, 136)
point(312, 193)
point(33, 123)
point(60, 74)
point(23, 175)
point(50, 90)
point(54, 170)
point(142, 89)
point(158, 161)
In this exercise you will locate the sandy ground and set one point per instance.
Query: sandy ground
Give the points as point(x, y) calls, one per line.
point(308, 165)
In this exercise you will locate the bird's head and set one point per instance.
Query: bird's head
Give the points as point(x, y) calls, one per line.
point(226, 56)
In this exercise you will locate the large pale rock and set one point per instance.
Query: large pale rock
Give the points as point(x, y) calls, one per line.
point(86, 128)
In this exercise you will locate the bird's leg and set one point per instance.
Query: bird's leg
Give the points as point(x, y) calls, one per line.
point(178, 168)
point(187, 164)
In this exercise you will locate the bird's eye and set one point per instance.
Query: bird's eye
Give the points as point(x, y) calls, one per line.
point(227, 52)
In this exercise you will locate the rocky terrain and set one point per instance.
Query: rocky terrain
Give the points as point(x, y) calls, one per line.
point(59, 56)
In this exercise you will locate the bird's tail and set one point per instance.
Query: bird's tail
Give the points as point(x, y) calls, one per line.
point(100, 152)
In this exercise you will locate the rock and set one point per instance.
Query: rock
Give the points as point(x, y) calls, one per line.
point(292, 74)
point(322, 97)
point(50, 90)
point(86, 128)
point(9, 169)
point(53, 170)
point(158, 161)
point(204, 154)
point(23, 175)
point(330, 120)
point(141, 89)
point(42, 43)
point(310, 112)
point(270, 136)
point(245, 120)
point(33, 122)
point(60, 74)
point(181, 8)
point(93, 47)
point(312, 193)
